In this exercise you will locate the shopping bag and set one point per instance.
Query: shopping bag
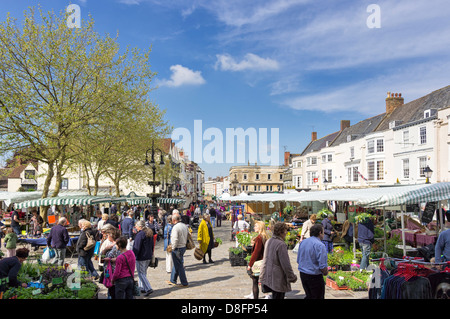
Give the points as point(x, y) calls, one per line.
point(190, 243)
point(256, 268)
point(107, 279)
point(154, 262)
point(130, 244)
point(198, 253)
point(295, 250)
point(91, 242)
point(48, 254)
point(97, 248)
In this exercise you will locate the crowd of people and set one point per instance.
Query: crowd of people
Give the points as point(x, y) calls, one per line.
point(124, 244)
point(276, 274)
point(136, 236)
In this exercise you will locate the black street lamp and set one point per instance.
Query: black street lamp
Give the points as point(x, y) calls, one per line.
point(428, 172)
point(325, 183)
point(154, 196)
point(235, 186)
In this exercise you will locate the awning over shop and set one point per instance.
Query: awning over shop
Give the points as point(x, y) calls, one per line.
point(146, 200)
point(18, 197)
point(65, 200)
point(92, 200)
point(170, 200)
point(367, 197)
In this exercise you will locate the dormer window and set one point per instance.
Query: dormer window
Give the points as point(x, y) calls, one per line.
point(30, 174)
point(428, 113)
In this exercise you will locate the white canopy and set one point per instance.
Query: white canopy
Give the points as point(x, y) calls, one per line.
point(367, 197)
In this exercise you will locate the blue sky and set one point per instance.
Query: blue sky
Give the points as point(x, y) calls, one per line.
point(296, 65)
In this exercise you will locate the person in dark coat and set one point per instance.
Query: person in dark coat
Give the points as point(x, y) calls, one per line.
point(85, 256)
point(365, 240)
point(58, 240)
point(276, 273)
point(127, 224)
point(328, 231)
point(10, 267)
point(143, 247)
point(113, 220)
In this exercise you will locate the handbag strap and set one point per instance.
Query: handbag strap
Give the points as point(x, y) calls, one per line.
point(129, 268)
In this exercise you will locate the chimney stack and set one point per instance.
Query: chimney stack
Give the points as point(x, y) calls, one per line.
point(344, 124)
point(313, 136)
point(287, 155)
point(393, 101)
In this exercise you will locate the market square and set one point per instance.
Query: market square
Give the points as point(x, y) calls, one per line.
point(221, 150)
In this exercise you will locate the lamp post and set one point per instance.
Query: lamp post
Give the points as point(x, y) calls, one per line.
point(428, 172)
point(325, 183)
point(154, 196)
point(235, 185)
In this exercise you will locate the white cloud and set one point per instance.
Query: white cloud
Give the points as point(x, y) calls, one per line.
point(251, 61)
point(368, 97)
point(130, 2)
point(238, 13)
point(183, 76)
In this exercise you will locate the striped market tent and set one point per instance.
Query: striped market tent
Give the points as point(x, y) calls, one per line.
point(63, 200)
point(170, 200)
point(367, 197)
point(414, 195)
point(92, 200)
point(137, 200)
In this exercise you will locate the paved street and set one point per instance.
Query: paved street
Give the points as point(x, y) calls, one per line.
point(219, 280)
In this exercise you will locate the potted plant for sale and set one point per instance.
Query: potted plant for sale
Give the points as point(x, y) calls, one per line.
point(238, 254)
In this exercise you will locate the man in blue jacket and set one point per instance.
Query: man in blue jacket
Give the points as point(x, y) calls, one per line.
point(328, 231)
point(442, 249)
point(127, 224)
point(58, 240)
point(365, 240)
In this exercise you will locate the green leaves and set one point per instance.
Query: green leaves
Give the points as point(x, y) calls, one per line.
point(68, 97)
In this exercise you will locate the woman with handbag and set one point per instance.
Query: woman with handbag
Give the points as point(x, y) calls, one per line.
point(123, 275)
point(257, 256)
point(167, 233)
point(110, 262)
point(143, 250)
point(86, 246)
point(205, 237)
point(276, 273)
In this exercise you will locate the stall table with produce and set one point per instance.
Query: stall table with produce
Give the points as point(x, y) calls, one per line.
point(52, 282)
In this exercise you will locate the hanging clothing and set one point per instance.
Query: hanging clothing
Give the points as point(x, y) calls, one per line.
point(416, 288)
point(440, 284)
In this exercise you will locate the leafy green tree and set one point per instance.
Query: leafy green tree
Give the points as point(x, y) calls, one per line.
point(58, 82)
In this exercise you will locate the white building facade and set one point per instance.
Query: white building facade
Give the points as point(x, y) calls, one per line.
point(394, 147)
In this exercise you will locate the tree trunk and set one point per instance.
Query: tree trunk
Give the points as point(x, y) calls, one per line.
point(46, 189)
point(58, 181)
point(88, 187)
point(96, 178)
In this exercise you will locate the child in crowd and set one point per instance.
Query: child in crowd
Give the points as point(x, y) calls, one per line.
point(10, 242)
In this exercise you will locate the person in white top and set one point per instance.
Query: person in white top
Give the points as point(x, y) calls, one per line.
point(307, 226)
point(178, 241)
point(239, 226)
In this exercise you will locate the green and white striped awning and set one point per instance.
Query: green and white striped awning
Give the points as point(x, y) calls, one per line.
point(63, 200)
point(148, 200)
point(414, 195)
point(92, 200)
point(170, 200)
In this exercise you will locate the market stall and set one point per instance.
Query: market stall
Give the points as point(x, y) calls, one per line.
point(391, 198)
